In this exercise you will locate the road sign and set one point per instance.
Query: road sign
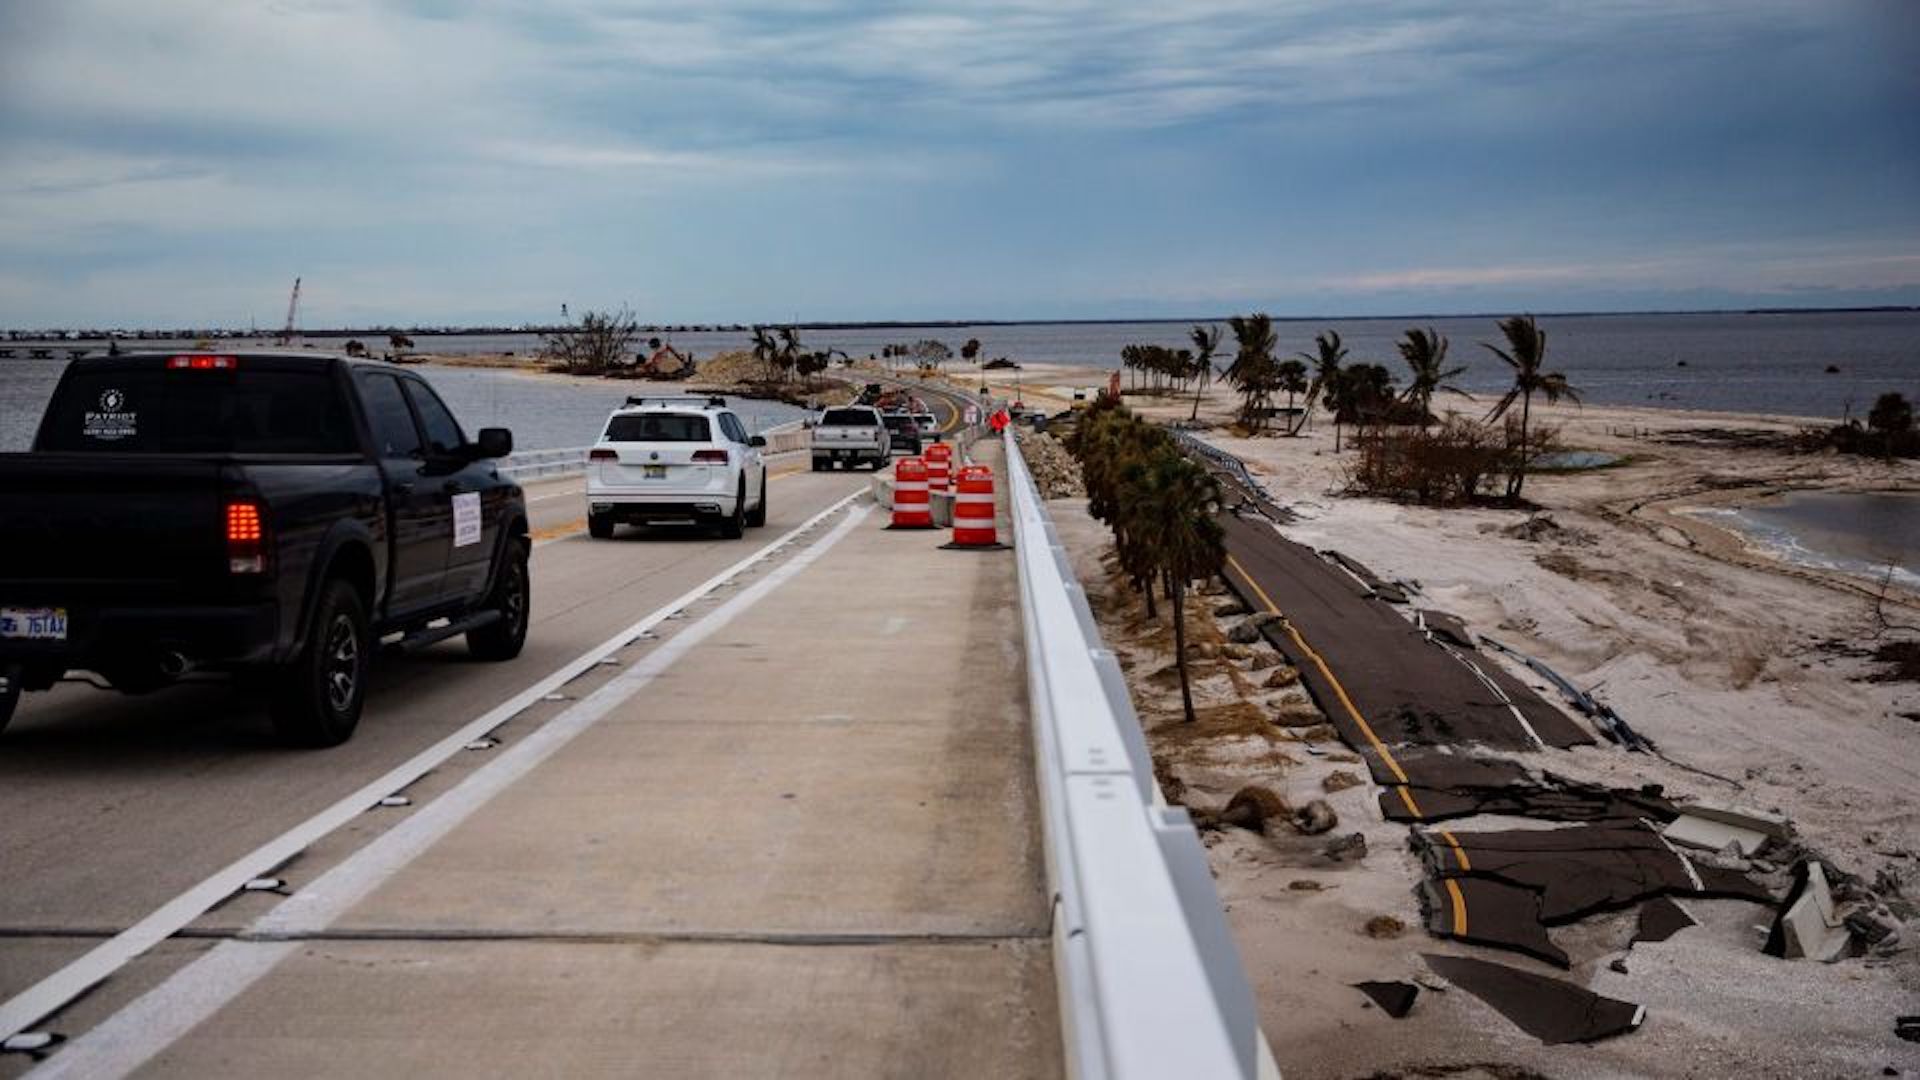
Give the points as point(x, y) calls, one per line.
point(973, 414)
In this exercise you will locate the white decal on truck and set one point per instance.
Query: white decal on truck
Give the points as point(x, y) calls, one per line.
point(466, 519)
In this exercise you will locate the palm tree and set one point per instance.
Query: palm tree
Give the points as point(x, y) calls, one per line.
point(1252, 371)
point(1206, 342)
point(789, 353)
point(1526, 354)
point(1325, 362)
point(764, 350)
point(1365, 395)
point(1425, 352)
point(1169, 503)
point(1293, 379)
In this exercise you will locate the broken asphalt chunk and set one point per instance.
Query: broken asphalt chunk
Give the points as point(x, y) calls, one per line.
point(1394, 998)
point(1551, 1010)
point(1487, 912)
point(1660, 919)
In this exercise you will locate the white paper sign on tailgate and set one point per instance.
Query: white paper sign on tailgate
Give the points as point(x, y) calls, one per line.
point(466, 519)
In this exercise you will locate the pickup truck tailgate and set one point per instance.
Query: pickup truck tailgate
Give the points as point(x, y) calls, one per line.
point(96, 520)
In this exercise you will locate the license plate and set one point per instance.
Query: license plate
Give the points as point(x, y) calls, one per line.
point(655, 472)
point(34, 624)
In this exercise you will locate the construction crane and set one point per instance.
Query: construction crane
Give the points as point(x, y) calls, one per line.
point(293, 310)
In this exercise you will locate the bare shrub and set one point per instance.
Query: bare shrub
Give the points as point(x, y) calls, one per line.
point(601, 341)
point(1444, 465)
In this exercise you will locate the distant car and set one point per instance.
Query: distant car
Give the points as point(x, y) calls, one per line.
point(676, 461)
point(905, 431)
point(851, 434)
point(928, 425)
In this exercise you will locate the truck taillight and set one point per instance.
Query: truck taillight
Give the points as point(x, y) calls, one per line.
point(246, 538)
point(201, 362)
point(710, 457)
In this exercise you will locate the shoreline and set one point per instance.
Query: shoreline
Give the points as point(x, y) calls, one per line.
point(1648, 488)
point(1757, 679)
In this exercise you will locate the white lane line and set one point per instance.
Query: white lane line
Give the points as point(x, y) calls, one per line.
point(131, 1037)
point(56, 990)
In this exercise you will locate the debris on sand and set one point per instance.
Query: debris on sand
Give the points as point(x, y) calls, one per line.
point(1252, 807)
point(1532, 529)
point(1385, 926)
point(1394, 998)
point(1546, 1008)
point(1352, 846)
point(1340, 780)
point(1315, 818)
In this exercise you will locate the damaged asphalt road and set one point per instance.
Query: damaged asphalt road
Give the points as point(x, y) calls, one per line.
point(1504, 888)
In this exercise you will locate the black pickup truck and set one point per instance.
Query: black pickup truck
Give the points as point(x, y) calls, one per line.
point(277, 516)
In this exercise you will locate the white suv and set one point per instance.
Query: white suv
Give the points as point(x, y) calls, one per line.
point(686, 460)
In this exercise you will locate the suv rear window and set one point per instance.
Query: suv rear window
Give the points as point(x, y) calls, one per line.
point(131, 411)
point(658, 427)
point(848, 418)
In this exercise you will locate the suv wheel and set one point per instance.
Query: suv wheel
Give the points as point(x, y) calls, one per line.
point(318, 695)
point(758, 515)
point(512, 597)
point(735, 525)
point(600, 526)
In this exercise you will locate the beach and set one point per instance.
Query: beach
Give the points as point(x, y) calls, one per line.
point(1751, 673)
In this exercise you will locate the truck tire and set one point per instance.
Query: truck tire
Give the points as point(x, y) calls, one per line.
point(9, 695)
point(512, 597)
point(822, 464)
point(317, 696)
point(600, 526)
point(734, 527)
point(757, 516)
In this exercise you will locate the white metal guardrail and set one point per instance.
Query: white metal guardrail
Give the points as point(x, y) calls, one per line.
point(1150, 981)
point(533, 464)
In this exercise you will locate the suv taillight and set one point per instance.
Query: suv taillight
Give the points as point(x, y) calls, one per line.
point(710, 457)
point(603, 455)
point(246, 538)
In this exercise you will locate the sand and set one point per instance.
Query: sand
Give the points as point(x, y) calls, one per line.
point(1735, 663)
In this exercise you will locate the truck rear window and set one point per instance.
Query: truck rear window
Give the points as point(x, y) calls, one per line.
point(658, 427)
point(849, 418)
point(123, 411)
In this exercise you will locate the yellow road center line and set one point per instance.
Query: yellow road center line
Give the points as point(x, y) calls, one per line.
point(1459, 908)
point(1459, 852)
point(1338, 690)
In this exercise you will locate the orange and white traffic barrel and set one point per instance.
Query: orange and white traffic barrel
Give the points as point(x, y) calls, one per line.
point(911, 509)
point(939, 459)
point(973, 508)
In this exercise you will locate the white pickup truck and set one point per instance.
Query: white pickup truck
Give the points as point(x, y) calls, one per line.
point(853, 434)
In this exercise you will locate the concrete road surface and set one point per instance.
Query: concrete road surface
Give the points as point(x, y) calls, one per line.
point(113, 804)
point(793, 834)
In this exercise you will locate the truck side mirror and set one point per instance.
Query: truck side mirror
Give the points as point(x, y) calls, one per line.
point(493, 442)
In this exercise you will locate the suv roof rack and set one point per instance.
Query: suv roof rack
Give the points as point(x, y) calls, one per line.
point(714, 400)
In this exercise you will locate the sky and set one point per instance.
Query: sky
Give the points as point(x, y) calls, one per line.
point(436, 162)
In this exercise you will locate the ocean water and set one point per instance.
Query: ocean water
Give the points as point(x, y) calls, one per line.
point(544, 414)
point(1865, 534)
point(1770, 363)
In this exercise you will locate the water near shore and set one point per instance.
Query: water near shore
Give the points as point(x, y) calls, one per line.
point(1758, 363)
point(1858, 533)
point(543, 413)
